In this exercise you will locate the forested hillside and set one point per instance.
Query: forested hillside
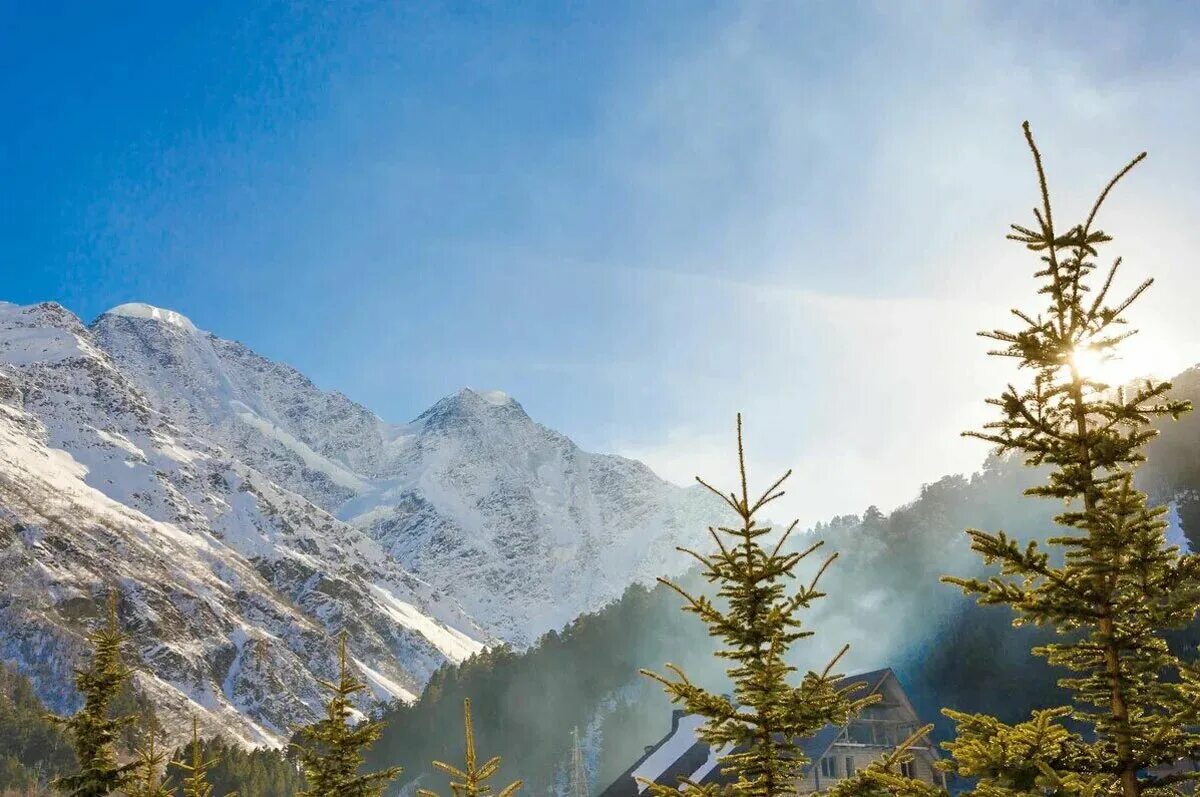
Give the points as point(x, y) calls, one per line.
point(31, 749)
point(885, 599)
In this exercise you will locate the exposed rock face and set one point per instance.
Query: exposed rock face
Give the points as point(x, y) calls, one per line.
point(517, 523)
point(246, 516)
point(230, 584)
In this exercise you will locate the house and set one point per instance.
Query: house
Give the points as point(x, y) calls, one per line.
point(1179, 767)
point(834, 752)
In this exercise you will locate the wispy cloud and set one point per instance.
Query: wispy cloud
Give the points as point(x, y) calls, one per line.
point(839, 197)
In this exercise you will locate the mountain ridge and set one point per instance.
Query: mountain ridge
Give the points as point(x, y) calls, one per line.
point(201, 480)
point(471, 483)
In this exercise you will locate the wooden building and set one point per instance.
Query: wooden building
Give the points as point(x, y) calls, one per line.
point(1180, 766)
point(834, 752)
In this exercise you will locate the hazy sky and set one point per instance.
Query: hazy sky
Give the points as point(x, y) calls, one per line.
point(637, 218)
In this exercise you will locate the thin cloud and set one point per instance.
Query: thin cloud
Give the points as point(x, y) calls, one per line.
point(821, 242)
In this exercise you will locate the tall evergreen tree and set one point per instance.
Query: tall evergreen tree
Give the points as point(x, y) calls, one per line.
point(334, 755)
point(146, 780)
point(1108, 583)
point(471, 781)
point(757, 619)
point(196, 784)
point(578, 776)
point(93, 729)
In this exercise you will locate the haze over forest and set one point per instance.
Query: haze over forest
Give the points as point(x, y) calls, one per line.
point(380, 345)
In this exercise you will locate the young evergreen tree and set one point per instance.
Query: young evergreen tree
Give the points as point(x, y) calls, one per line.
point(93, 730)
point(471, 781)
point(334, 755)
point(147, 777)
point(758, 620)
point(196, 784)
point(1108, 583)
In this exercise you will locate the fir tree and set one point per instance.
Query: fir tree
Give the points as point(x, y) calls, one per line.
point(471, 781)
point(757, 621)
point(146, 780)
point(1108, 583)
point(332, 760)
point(578, 779)
point(196, 783)
point(92, 730)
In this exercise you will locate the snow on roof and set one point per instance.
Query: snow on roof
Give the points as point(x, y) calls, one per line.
point(681, 739)
point(141, 310)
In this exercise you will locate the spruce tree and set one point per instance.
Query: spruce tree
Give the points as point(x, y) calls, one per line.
point(146, 780)
point(471, 781)
point(334, 755)
point(196, 783)
point(757, 618)
point(1108, 582)
point(92, 730)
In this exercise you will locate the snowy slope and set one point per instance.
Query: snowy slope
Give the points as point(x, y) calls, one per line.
point(524, 529)
point(231, 585)
point(312, 442)
point(522, 526)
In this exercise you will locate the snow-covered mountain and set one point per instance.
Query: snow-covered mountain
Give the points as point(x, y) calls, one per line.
point(231, 585)
point(246, 516)
point(517, 523)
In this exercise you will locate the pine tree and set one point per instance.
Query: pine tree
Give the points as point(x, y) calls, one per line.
point(335, 754)
point(196, 783)
point(1108, 583)
point(579, 781)
point(92, 730)
point(472, 781)
point(147, 780)
point(762, 723)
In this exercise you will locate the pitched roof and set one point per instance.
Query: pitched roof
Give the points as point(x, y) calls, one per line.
point(681, 754)
point(865, 684)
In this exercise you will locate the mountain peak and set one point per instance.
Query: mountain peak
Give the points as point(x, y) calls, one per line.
point(149, 311)
point(494, 398)
point(473, 403)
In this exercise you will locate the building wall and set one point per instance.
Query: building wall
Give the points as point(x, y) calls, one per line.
point(862, 756)
point(1182, 765)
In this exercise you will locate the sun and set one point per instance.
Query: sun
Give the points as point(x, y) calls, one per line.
point(1139, 357)
point(1092, 363)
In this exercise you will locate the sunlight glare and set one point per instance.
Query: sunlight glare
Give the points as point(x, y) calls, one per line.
point(1138, 357)
point(1091, 363)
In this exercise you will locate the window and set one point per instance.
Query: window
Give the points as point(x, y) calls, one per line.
point(849, 766)
point(906, 769)
point(860, 733)
point(827, 767)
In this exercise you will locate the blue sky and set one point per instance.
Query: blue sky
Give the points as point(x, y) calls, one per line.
point(637, 218)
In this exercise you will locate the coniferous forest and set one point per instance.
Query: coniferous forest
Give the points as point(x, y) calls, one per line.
point(1042, 613)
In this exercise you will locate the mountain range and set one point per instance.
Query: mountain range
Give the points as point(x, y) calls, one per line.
point(245, 517)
